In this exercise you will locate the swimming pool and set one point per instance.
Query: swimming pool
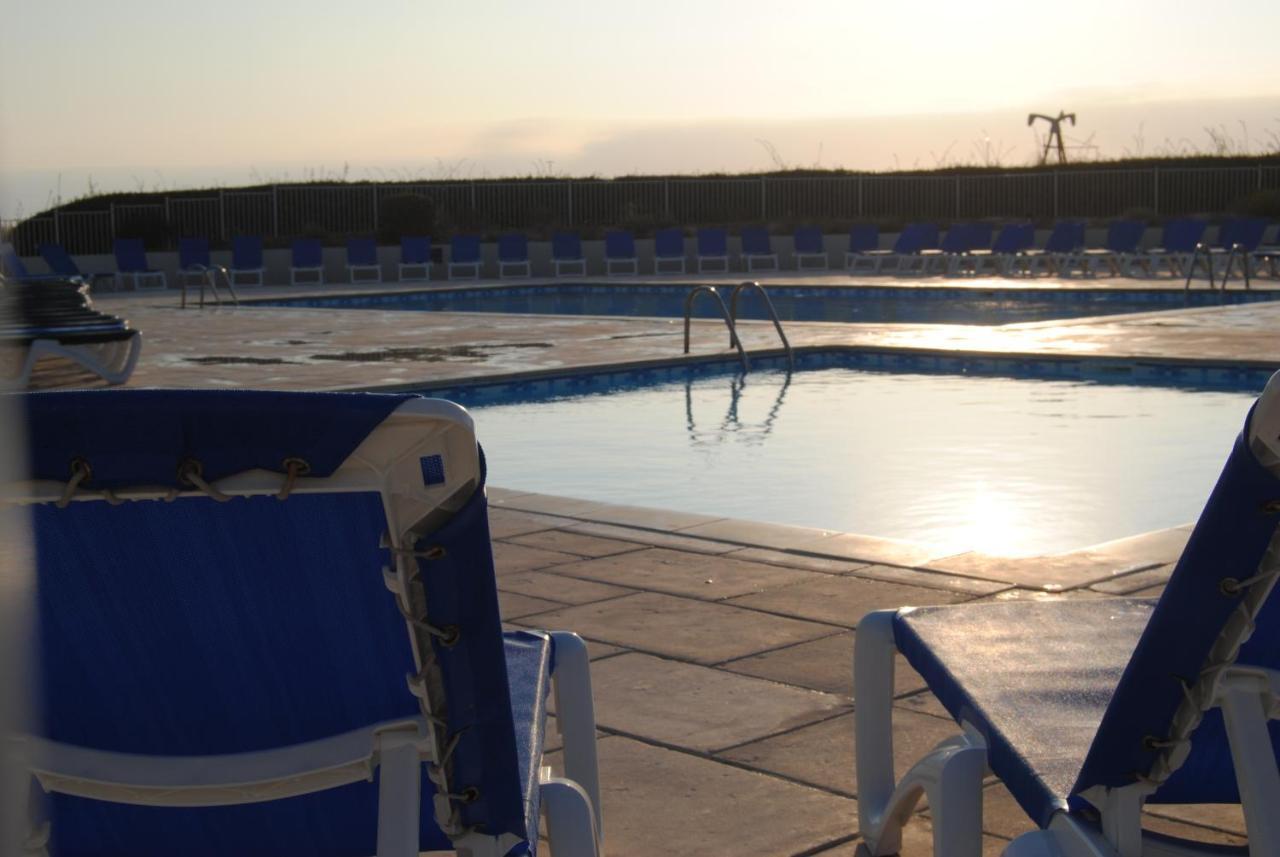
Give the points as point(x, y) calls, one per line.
point(851, 304)
point(1006, 465)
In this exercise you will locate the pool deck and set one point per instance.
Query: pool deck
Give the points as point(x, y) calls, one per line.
point(722, 648)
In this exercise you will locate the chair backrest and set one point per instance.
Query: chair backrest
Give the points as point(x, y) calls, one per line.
point(362, 251)
point(130, 253)
point(11, 264)
point(246, 253)
point(1067, 237)
point(307, 253)
point(59, 260)
point(1014, 238)
point(619, 245)
point(808, 240)
point(756, 241)
point(1124, 236)
point(1182, 235)
point(513, 247)
point(464, 249)
point(1194, 630)
point(864, 237)
point(566, 247)
point(963, 237)
point(669, 243)
point(915, 237)
point(198, 627)
point(714, 241)
point(415, 250)
point(1245, 231)
point(193, 253)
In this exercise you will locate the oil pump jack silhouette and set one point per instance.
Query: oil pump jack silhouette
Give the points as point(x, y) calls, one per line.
point(1055, 133)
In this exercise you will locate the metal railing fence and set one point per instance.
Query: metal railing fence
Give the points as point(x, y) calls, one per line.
point(333, 212)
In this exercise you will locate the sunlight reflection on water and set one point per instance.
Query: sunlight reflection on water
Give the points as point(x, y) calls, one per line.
point(1006, 466)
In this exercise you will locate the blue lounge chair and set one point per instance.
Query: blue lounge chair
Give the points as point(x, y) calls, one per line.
point(1238, 242)
point(864, 240)
point(668, 251)
point(131, 261)
point(61, 264)
point(1176, 250)
point(1006, 255)
point(1089, 709)
point(907, 251)
point(713, 250)
point(464, 252)
point(246, 260)
point(286, 639)
point(1061, 251)
point(566, 252)
point(1123, 238)
point(362, 261)
point(757, 249)
point(415, 258)
point(957, 245)
point(306, 261)
point(1267, 253)
point(54, 317)
point(810, 249)
point(193, 259)
point(620, 252)
point(12, 267)
point(513, 254)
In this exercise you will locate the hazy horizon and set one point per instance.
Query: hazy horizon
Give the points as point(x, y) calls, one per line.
point(414, 90)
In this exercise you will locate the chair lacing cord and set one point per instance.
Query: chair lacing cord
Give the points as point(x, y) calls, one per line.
point(433, 552)
point(37, 841)
point(1230, 586)
point(293, 468)
point(189, 473)
point(80, 472)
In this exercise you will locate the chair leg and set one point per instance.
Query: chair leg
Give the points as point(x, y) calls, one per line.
point(576, 719)
point(570, 820)
point(399, 798)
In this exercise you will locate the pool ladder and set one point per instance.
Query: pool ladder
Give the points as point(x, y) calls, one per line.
point(730, 314)
point(208, 277)
point(1205, 253)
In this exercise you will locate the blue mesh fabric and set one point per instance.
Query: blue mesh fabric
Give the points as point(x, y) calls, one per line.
point(668, 243)
point(713, 242)
point(513, 247)
point(619, 245)
point(246, 252)
point(566, 246)
point(464, 249)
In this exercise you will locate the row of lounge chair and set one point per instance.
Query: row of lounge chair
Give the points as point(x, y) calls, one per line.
point(302, 653)
point(920, 248)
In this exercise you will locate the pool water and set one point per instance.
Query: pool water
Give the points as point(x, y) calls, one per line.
point(861, 304)
point(1003, 465)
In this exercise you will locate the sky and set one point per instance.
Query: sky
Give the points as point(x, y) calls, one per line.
point(143, 94)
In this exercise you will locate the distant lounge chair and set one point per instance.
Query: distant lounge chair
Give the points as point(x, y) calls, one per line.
point(415, 258)
point(1061, 251)
point(12, 267)
point(193, 259)
point(362, 261)
point(810, 252)
point(566, 252)
point(47, 317)
point(1238, 240)
point(757, 249)
point(61, 264)
point(864, 241)
point(668, 251)
point(246, 261)
point(513, 253)
point(464, 252)
point(1089, 710)
point(620, 251)
point(959, 242)
point(906, 253)
point(287, 640)
point(131, 261)
point(1267, 253)
point(1177, 248)
point(1123, 238)
point(1006, 254)
point(713, 249)
point(307, 261)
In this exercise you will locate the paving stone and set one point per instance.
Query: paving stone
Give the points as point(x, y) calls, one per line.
point(698, 708)
point(559, 587)
point(653, 539)
point(1159, 546)
point(513, 605)
point(1020, 594)
point(505, 523)
point(871, 549)
point(917, 841)
point(1149, 592)
point(923, 703)
point(1130, 583)
point(579, 544)
point(682, 628)
point(843, 600)
point(1171, 827)
point(510, 558)
point(825, 665)
point(695, 575)
point(663, 802)
point(823, 754)
point(612, 513)
point(1051, 573)
point(758, 534)
point(825, 565)
point(1001, 815)
point(928, 579)
point(1228, 817)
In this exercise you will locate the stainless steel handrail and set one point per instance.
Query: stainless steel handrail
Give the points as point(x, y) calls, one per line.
point(773, 315)
point(207, 275)
point(728, 320)
point(1205, 252)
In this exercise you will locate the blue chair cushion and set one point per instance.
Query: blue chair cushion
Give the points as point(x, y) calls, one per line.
point(1033, 678)
point(464, 250)
point(619, 245)
point(246, 253)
